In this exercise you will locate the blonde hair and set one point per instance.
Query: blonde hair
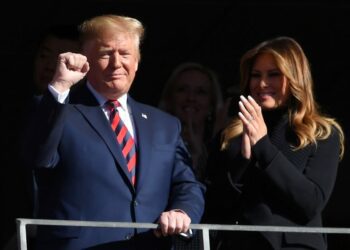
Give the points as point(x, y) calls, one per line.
point(100, 25)
point(305, 116)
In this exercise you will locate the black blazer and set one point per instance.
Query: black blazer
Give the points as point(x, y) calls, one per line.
point(280, 186)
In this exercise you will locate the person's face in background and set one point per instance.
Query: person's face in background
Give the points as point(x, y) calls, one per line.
point(192, 99)
point(268, 85)
point(113, 60)
point(46, 59)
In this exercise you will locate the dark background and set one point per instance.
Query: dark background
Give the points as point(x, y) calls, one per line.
point(215, 33)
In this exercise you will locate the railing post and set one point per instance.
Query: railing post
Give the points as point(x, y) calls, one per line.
point(21, 235)
point(206, 240)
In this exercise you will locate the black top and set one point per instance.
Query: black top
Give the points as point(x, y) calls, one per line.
point(279, 186)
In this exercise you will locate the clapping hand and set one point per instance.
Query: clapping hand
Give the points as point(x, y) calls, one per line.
point(254, 127)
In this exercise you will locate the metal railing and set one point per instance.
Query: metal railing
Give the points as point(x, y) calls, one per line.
point(204, 228)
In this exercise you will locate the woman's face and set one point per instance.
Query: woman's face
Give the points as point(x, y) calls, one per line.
point(192, 98)
point(268, 85)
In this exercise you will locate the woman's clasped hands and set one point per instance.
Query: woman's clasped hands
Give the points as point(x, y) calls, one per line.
point(254, 127)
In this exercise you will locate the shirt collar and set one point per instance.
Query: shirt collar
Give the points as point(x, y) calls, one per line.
point(102, 100)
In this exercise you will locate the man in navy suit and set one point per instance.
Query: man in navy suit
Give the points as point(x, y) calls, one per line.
point(80, 169)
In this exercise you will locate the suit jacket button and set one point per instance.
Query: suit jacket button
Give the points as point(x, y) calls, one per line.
point(135, 203)
point(128, 236)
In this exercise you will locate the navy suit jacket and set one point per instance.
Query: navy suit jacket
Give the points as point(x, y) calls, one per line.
point(82, 174)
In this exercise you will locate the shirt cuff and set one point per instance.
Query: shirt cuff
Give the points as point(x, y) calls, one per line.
point(60, 97)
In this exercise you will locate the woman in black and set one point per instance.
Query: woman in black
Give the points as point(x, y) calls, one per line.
point(276, 162)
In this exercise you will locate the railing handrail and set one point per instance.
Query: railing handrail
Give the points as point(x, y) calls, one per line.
point(23, 222)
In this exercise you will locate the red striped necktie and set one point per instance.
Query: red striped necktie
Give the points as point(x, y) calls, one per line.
point(124, 138)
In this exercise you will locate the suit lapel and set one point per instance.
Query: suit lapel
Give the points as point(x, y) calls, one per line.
point(143, 129)
point(87, 105)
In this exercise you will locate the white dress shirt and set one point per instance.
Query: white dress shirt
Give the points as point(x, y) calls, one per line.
point(123, 110)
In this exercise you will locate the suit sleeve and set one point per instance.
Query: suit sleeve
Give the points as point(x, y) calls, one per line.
point(43, 133)
point(187, 193)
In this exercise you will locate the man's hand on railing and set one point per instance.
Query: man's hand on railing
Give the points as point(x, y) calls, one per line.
point(174, 222)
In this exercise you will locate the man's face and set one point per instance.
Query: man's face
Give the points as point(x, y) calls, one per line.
point(113, 61)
